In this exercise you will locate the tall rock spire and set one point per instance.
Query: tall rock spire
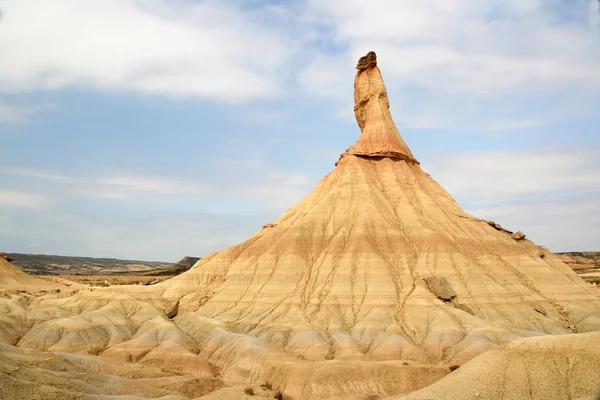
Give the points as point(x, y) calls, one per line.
point(378, 263)
point(379, 137)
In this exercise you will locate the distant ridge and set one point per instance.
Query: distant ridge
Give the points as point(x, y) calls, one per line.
point(45, 264)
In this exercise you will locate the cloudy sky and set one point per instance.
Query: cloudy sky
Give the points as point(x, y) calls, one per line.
point(154, 129)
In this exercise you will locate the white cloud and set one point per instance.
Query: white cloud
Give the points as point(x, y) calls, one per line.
point(503, 174)
point(33, 173)
point(175, 48)
point(464, 46)
point(549, 194)
point(20, 199)
point(462, 63)
point(239, 181)
point(153, 185)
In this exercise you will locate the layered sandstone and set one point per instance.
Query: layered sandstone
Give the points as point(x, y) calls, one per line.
point(379, 262)
point(372, 285)
point(379, 137)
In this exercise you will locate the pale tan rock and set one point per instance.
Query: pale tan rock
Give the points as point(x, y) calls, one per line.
point(381, 250)
point(379, 137)
point(372, 285)
point(518, 235)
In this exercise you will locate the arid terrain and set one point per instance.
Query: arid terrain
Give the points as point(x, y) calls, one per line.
point(43, 264)
point(100, 271)
point(586, 264)
point(375, 285)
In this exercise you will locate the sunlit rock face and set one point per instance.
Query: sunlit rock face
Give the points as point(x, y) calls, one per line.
point(379, 262)
point(372, 285)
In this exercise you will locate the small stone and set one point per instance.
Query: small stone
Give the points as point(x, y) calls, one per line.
point(518, 235)
point(173, 312)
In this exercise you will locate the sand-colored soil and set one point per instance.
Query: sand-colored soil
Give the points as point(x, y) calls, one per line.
point(544, 368)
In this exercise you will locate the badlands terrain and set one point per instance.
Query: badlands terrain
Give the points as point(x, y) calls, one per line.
point(375, 285)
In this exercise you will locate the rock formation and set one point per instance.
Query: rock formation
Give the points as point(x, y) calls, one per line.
point(380, 262)
point(374, 284)
point(186, 263)
point(7, 257)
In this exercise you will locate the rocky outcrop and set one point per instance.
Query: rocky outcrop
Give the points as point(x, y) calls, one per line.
point(6, 257)
point(518, 235)
point(498, 227)
point(174, 310)
point(367, 61)
point(581, 260)
point(186, 263)
point(379, 137)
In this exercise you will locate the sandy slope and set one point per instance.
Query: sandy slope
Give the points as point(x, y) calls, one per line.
point(31, 374)
point(544, 368)
point(12, 278)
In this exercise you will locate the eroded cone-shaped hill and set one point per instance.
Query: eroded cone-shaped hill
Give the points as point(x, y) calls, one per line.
point(380, 262)
point(371, 286)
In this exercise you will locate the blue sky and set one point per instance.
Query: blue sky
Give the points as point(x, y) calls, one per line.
point(154, 129)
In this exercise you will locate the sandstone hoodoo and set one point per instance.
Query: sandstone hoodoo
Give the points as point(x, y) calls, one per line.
point(379, 262)
point(375, 284)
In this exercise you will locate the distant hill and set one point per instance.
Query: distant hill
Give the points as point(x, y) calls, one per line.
point(581, 260)
point(186, 262)
point(585, 263)
point(43, 264)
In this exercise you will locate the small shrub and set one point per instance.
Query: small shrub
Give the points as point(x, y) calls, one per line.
point(454, 367)
point(279, 395)
point(267, 386)
point(249, 391)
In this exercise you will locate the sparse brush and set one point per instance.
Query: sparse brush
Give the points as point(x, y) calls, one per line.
point(249, 391)
point(279, 396)
point(267, 385)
